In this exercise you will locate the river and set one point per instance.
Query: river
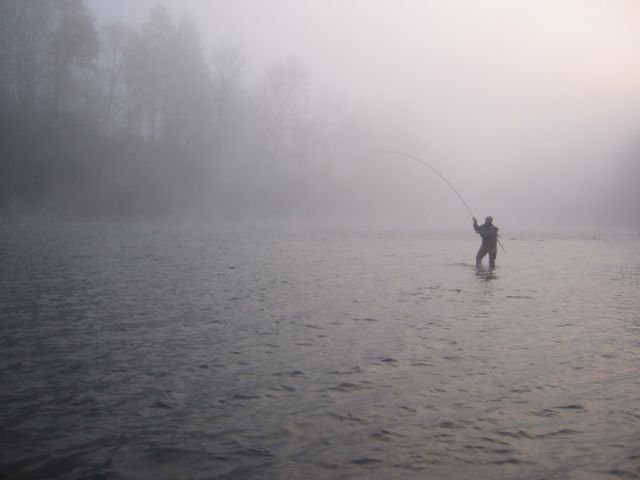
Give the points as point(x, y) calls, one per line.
point(137, 351)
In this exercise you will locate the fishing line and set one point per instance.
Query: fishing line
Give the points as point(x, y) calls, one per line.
point(446, 181)
point(437, 173)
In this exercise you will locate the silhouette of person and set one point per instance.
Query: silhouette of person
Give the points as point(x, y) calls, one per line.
point(489, 234)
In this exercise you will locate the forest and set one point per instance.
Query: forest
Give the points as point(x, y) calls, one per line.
point(110, 121)
point(114, 122)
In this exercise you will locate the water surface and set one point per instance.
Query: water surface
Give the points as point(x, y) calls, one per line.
point(138, 351)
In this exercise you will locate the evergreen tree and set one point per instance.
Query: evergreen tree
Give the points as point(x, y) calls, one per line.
point(148, 74)
point(189, 92)
point(74, 44)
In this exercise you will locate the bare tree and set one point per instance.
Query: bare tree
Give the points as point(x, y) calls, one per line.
point(281, 104)
point(228, 66)
point(116, 38)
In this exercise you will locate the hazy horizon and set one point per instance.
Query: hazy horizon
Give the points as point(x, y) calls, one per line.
point(524, 105)
point(530, 108)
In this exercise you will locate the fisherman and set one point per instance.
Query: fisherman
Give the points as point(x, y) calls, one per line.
point(489, 233)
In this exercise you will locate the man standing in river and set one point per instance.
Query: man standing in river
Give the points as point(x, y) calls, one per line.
point(489, 233)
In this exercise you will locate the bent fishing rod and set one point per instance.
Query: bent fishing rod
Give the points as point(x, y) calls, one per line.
point(445, 180)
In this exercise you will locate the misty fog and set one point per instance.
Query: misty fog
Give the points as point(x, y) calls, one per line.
point(236, 239)
point(282, 110)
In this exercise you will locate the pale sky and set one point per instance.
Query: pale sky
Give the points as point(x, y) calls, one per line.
point(519, 101)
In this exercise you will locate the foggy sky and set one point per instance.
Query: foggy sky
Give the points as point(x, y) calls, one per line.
point(524, 105)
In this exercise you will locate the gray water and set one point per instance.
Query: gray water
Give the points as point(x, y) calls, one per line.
point(146, 352)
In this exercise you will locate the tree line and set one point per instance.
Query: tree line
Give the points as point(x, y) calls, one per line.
point(118, 122)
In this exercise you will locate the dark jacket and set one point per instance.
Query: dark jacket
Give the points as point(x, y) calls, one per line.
point(489, 234)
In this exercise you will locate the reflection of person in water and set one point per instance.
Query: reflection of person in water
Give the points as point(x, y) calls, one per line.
point(489, 233)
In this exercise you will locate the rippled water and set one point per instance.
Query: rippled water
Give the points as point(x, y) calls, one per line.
point(139, 352)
